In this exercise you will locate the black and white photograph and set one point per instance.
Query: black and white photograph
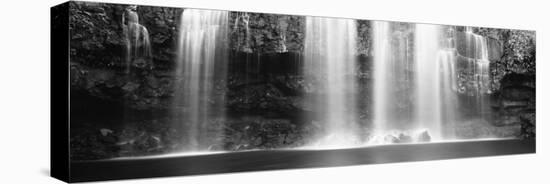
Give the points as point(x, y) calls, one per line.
point(197, 91)
point(188, 92)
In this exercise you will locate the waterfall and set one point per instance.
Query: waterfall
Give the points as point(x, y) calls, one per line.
point(479, 64)
point(480, 53)
point(448, 88)
point(330, 46)
point(136, 36)
point(428, 93)
point(283, 25)
point(382, 69)
point(436, 80)
point(432, 84)
point(200, 63)
point(392, 83)
point(242, 42)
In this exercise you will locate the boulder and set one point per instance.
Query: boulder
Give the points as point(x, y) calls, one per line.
point(391, 139)
point(404, 138)
point(424, 137)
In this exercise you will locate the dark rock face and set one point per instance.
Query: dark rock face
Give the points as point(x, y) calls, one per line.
point(98, 54)
point(97, 42)
point(273, 33)
point(90, 141)
point(162, 24)
point(260, 98)
point(97, 34)
point(141, 90)
point(257, 132)
point(516, 103)
point(517, 80)
point(364, 42)
point(495, 49)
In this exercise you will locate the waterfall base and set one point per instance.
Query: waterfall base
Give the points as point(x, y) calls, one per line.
point(279, 159)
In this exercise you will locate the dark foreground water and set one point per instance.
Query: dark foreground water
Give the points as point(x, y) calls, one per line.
point(283, 159)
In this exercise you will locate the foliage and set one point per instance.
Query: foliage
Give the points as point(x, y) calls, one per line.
point(519, 54)
point(520, 51)
point(519, 48)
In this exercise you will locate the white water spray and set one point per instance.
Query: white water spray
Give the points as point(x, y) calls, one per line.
point(136, 37)
point(330, 61)
point(200, 60)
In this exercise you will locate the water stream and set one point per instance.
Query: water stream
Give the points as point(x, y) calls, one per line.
point(329, 56)
point(200, 61)
point(136, 36)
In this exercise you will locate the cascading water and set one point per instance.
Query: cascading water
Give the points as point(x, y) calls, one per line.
point(136, 36)
point(394, 83)
point(479, 64)
point(330, 45)
point(200, 63)
point(242, 20)
point(283, 25)
point(428, 93)
point(432, 83)
point(447, 58)
point(382, 69)
point(435, 80)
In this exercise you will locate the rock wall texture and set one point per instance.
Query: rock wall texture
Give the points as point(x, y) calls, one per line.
point(97, 49)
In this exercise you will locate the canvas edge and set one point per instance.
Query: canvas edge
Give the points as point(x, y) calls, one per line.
point(59, 92)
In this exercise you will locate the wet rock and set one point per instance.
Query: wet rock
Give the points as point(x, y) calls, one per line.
point(152, 143)
point(364, 32)
point(528, 118)
point(108, 139)
point(105, 131)
point(424, 137)
point(528, 130)
point(152, 82)
point(266, 33)
point(142, 63)
point(260, 99)
point(257, 132)
point(495, 49)
point(403, 138)
point(130, 87)
point(97, 38)
point(504, 120)
point(516, 103)
point(517, 93)
point(391, 139)
point(479, 128)
point(516, 79)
